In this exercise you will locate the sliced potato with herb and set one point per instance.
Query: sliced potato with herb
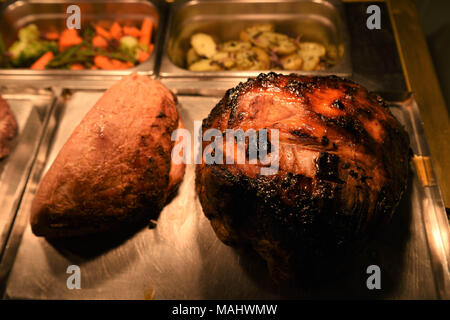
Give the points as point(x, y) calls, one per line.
point(248, 33)
point(262, 59)
point(203, 44)
point(285, 47)
point(280, 43)
point(191, 56)
point(204, 65)
point(332, 53)
point(311, 52)
point(292, 62)
point(310, 63)
point(233, 46)
point(245, 59)
point(253, 59)
point(311, 49)
point(321, 66)
point(266, 39)
point(224, 59)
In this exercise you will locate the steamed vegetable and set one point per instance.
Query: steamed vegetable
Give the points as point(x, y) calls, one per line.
point(42, 62)
point(100, 42)
point(132, 47)
point(119, 46)
point(25, 51)
point(29, 33)
point(23, 54)
point(69, 38)
point(146, 32)
point(116, 31)
point(131, 31)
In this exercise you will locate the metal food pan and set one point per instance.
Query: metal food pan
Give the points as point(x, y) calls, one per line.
point(31, 109)
point(181, 258)
point(51, 15)
point(321, 21)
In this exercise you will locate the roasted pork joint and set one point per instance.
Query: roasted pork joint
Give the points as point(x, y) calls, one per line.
point(343, 166)
point(116, 168)
point(8, 127)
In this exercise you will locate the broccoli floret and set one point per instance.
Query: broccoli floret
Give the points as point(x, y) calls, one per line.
point(29, 33)
point(24, 54)
point(130, 46)
point(29, 47)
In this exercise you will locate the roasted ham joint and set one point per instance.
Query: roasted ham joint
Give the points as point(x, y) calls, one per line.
point(343, 167)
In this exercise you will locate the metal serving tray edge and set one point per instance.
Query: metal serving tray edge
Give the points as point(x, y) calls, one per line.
point(32, 109)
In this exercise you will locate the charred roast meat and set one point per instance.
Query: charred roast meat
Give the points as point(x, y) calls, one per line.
point(8, 127)
point(343, 167)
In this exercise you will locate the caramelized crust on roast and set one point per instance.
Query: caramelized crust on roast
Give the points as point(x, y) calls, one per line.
point(116, 168)
point(8, 127)
point(343, 166)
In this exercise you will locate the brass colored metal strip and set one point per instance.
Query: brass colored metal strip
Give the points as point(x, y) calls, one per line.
point(422, 81)
point(424, 170)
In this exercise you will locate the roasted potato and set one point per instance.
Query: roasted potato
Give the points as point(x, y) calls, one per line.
point(311, 53)
point(233, 46)
point(262, 59)
point(332, 53)
point(307, 49)
point(192, 56)
point(292, 62)
point(224, 59)
point(248, 33)
point(310, 63)
point(252, 59)
point(203, 45)
point(205, 65)
point(245, 59)
point(280, 43)
point(259, 48)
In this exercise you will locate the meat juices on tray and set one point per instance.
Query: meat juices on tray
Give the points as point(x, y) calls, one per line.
point(343, 167)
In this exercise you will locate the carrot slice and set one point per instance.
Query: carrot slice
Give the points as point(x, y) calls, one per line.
point(100, 42)
point(40, 63)
point(117, 64)
point(143, 56)
point(131, 31)
point(77, 66)
point(116, 31)
point(150, 48)
point(102, 32)
point(146, 31)
point(103, 63)
point(69, 38)
point(51, 35)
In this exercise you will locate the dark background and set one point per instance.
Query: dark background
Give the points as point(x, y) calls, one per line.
point(435, 19)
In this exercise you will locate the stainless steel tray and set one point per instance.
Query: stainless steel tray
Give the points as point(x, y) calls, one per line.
point(48, 14)
point(321, 21)
point(31, 109)
point(183, 259)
